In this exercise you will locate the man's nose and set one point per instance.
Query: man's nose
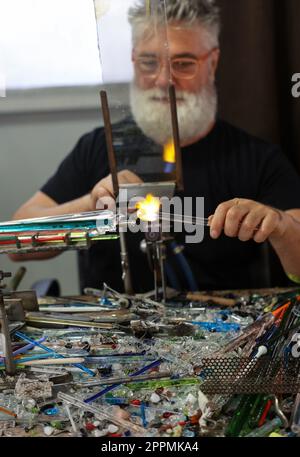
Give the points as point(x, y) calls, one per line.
point(163, 79)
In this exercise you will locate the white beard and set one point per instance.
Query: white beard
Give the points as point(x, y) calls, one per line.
point(196, 112)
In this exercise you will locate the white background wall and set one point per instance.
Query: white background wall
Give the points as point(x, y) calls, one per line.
point(37, 130)
point(49, 44)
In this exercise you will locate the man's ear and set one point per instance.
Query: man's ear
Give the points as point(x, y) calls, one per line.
point(214, 61)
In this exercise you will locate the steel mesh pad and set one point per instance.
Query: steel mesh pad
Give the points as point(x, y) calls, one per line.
point(235, 375)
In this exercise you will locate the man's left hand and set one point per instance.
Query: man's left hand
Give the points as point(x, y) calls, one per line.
point(247, 220)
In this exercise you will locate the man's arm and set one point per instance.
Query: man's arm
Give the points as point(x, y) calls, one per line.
point(287, 246)
point(247, 219)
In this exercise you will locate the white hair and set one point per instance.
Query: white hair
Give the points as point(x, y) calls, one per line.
point(187, 12)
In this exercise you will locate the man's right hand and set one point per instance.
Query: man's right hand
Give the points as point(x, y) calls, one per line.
point(102, 195)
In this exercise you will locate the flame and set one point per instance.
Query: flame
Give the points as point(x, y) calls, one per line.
point(148, 209)
point(169, 152)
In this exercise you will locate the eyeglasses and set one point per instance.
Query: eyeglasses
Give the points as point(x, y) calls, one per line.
point(180, 67)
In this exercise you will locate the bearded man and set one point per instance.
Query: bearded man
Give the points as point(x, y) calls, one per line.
point(252, 194)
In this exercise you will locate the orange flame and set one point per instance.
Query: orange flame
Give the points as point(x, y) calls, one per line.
point(148, 209)
point(169, 152)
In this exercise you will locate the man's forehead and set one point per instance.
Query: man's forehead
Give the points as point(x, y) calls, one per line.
point(177, 38)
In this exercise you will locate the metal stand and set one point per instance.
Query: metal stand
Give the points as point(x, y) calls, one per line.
point(155, 244)
point(6, 341)
point(156, 250)
point(126, 273)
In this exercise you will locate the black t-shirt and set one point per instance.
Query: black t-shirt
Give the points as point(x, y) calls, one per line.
point(226, 164)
